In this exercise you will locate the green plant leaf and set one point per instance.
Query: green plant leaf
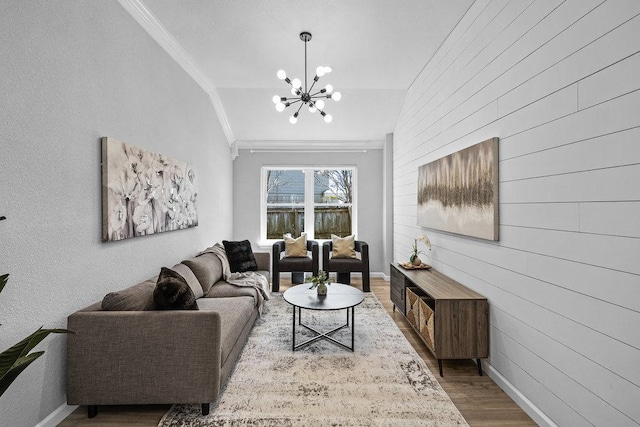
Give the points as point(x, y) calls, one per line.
point(11, 356)
point(3, 281)
point(14, 360)
point(20, 365)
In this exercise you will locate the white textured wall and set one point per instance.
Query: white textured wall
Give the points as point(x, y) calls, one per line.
point(246, 199)
point(71, 72)
point(558, 82)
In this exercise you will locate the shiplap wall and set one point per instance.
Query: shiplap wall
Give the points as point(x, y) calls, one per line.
point(558, 82)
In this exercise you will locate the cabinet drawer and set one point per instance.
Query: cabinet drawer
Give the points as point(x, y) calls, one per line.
point(397, 295)
point(412, 310)
point(427, 318)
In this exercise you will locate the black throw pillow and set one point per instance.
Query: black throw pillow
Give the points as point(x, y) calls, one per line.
point(172, 292)
point(240, 256)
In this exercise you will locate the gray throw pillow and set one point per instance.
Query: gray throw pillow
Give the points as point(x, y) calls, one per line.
point(135, 298)
point(207, 269)
point(172, 292)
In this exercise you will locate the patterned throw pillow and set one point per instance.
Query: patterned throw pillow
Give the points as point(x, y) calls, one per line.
point(240, 256)
point(295, 247)
point(172, 292)
point(343, 247)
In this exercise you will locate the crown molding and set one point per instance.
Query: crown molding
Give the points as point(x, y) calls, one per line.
point(159, 33)
point(222, 115)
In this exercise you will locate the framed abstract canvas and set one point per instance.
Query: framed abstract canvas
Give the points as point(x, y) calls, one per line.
point(145, 192)
point(459, 193)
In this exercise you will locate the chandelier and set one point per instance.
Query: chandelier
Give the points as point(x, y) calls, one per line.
point(306, 96)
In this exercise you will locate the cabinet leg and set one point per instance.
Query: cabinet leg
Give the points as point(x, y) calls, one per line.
point(479, 366)
point(440, 367)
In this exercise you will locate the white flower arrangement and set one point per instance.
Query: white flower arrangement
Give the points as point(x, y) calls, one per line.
point(416, 252)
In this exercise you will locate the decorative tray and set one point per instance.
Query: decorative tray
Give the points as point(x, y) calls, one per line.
point(409, 266)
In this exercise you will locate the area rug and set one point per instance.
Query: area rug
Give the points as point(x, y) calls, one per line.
point(382, 383)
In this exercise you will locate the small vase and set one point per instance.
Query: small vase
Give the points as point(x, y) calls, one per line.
point(322, 290)
point(416, 262)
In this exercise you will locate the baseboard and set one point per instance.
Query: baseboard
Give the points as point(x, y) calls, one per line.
point(57, 416)
point(381, 275)
point(527, 406)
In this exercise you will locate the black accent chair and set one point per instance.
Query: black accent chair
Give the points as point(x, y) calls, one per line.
point(344, 266)
point(296, 265)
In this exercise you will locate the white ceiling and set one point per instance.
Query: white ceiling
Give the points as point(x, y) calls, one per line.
point(375, 47)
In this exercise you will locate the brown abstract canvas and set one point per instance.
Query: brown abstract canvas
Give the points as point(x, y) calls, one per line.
point(459, 193)
point(144, 192)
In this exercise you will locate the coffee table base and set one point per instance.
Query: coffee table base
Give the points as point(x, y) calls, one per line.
point(322, 335)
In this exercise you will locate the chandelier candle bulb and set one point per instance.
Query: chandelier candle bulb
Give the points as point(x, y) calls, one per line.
point(282, 75)
point(337, 96)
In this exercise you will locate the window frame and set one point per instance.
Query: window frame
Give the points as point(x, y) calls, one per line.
point(309, 202)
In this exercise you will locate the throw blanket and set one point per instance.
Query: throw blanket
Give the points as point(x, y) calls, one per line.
point(246, 279)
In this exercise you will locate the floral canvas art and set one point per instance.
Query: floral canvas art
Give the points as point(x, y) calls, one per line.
point(459, 193)
point(144, 192)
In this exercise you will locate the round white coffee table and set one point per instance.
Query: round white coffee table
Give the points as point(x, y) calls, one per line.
point(339, 297)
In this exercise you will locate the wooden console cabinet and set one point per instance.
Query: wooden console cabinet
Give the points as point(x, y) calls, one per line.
point(451, 319)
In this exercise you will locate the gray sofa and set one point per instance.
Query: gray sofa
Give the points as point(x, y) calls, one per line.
point(125, 352)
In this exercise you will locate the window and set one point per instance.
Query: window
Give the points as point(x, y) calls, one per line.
point(318, 201)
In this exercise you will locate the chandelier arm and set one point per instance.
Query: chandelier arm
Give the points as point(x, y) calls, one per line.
point(299, 108)
point(289, 103)
point(315, 95)
point(312, 85)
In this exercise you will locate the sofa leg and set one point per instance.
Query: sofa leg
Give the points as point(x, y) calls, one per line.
point(205, 409)
point(92, 411)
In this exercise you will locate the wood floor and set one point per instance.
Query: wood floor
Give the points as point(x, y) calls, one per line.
point(479, 399)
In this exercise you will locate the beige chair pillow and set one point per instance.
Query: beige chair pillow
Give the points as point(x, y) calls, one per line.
point(343, 247)
point(295, 247)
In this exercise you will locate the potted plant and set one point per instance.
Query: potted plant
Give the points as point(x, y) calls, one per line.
point(14, 360)
point(320, 281)
point(414, 255)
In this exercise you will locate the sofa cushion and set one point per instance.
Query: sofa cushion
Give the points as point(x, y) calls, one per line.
point(223, 289)
point(172, 292)
point(190, 278)
point(135, 298)
point(295, 247)
point(240, 256)
point(234, 313)
point(343, 247)
point(207, 268)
